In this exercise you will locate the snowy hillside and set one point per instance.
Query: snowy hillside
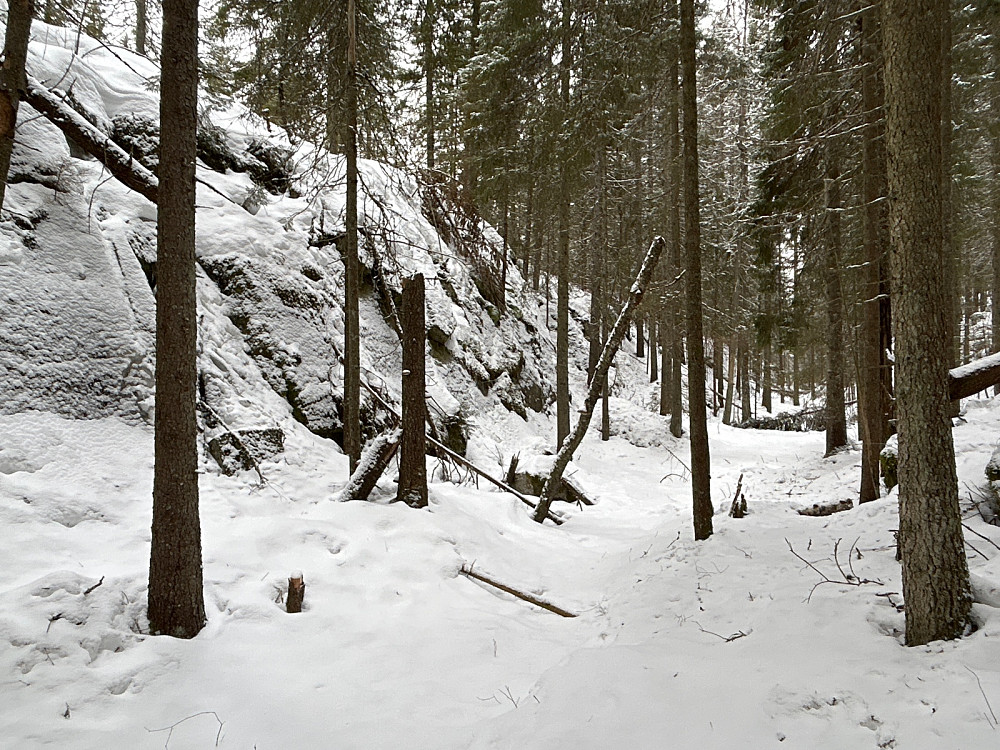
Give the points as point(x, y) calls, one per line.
point(781, 631)
point(79, 261)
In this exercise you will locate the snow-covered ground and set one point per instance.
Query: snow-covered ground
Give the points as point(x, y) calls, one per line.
point(677, 643)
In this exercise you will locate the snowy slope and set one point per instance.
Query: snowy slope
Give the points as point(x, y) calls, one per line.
point(79, 258)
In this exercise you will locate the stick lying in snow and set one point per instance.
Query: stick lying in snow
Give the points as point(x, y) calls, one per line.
point(372, 465)
point(573, 440)
point(469, 573)
point(128, 171)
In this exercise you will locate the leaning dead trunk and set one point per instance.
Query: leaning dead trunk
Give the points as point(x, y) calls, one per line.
point(573, 440)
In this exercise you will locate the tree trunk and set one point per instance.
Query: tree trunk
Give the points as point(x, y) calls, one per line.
point(12, 80)
point(746, 399)
point(874, 379)
point(653, 373)
point(412, 464)
point(176, 600)
point(140, 26)
point(640, 344)
point(673, 223)
point(836, 418)
point(428, 41)
point(701, 490)
point(597, 253)
point(562, 282)
point(666, 366)
point(727, 411)
point(352, 273)
point(994, 129)
point(935, 571)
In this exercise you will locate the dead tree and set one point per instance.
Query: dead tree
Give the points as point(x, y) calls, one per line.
point(573, 440)
point(412, 464)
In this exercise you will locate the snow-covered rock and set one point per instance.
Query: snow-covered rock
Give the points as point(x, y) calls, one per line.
point(79, 254)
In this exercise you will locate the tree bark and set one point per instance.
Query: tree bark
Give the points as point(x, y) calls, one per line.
point(935, 571)
point(429, 72)
point(352, 273)
point(412, 464)
point(701, 490)
point(673, 143)
point(13, 81)
point(176, 599)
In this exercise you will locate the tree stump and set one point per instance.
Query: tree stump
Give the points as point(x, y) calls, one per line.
point(412, 464)
point(296, 593)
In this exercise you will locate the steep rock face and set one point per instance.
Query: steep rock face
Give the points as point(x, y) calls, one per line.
point(77, 306)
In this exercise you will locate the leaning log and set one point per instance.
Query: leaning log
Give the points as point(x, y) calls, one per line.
point(88, 137)
point(573, 440)
point(374, 461)
point(976, 376)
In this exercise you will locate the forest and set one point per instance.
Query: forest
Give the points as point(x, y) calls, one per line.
point(499, 373)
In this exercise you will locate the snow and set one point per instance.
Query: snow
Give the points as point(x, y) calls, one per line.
point(394, 648)
point(732, 642)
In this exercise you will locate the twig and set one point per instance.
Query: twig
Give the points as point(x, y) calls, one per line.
point(734, 637)
point(978, 682)
point(981, 536)
point(94, 586)
point(170, 730)
point(852, 580)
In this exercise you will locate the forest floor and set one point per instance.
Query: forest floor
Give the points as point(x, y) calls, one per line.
point(726, 643)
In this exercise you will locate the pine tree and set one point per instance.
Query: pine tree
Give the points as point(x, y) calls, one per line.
point(12, 80)
point(935, 572)
point(176, 599)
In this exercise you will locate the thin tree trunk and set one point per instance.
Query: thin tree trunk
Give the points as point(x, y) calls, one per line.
point(873, 416)
point(653, 374)
point(176, 603)
point(573, 441)
point(700, 462)
point(673, 144)
point(836, 418)
point(562, 282)
point(429, 72)
point(727, 411)
point(12, 80)
point(935, 572)
point(352, 274)
point(140, 26)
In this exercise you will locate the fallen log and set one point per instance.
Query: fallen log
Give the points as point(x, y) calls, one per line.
point(573, 440)
point(126, 169)
point(470, 573)
point(372, 465)
point(978, 375)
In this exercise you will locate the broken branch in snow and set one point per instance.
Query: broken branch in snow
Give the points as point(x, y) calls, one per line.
point(470, 573)
point(296, 593)
point(88, 137)
point(728, 639)
point(170, 730)
point(739, 507)
point(572, 441)
point(851, 579)
point(372, 465)
point(94, 586)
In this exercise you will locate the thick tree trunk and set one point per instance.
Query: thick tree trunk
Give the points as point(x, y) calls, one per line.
point(352, 272)
point(13, 82)
point(176, 599)
point(569, 446)
point(836, 418)
point(935, 571)
point(412, 464)
point(701, 490)
point(598, 250)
